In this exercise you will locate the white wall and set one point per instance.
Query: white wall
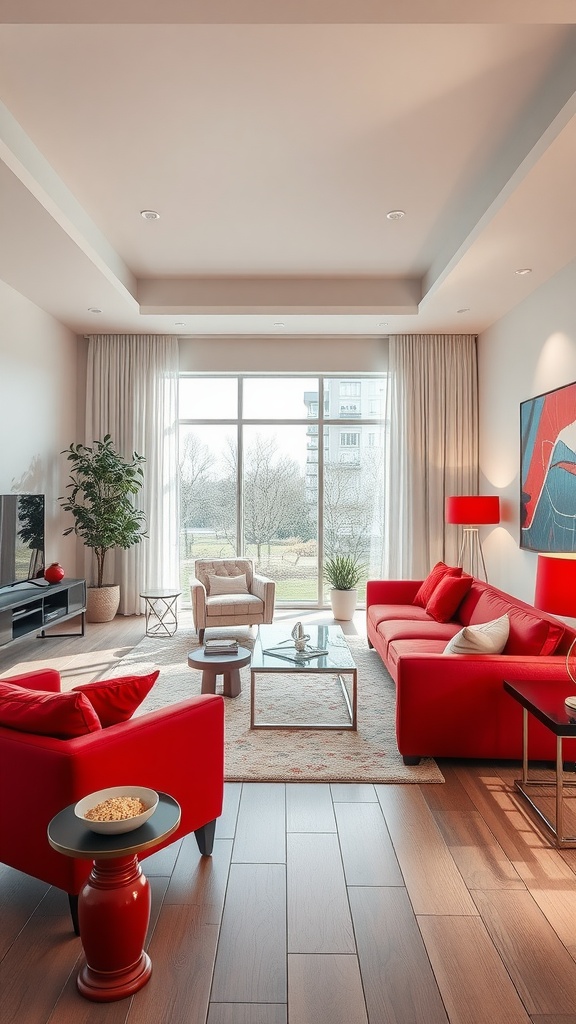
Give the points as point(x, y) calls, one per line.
point(528, 352)
point(38, 411)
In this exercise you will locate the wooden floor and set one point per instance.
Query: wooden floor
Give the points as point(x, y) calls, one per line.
point(322, 904)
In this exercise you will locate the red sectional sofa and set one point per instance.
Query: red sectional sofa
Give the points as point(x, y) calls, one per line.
point(455, 705)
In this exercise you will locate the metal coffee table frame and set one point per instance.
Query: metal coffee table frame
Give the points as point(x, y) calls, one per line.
point(338, 661)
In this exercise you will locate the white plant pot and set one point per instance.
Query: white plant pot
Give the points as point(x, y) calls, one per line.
point(343, 604)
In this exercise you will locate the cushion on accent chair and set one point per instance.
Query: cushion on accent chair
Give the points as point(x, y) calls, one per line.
point(428, 586)
point(116, 700)
point(448, 594)
point(218, 585)
point(61, 715)
point(485, 638)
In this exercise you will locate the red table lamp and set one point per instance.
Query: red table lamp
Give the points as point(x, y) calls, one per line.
point(472, 511)
point(556, 593)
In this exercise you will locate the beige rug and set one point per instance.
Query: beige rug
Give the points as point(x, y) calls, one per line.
point(282, 755)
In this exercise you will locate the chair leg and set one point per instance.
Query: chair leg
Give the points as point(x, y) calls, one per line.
point(201, 635)
point(410, 761)
point(73, 904)
point(205, 838)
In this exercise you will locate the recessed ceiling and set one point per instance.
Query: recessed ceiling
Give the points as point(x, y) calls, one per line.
point(274, 154)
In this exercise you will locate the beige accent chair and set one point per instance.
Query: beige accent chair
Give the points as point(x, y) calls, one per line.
point(246, 608)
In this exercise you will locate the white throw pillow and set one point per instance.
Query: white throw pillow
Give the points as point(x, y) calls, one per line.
point(218, 585)
point(485, 638)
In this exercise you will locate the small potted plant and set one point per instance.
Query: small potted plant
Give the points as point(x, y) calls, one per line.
point(343, 573)
point(101, 499)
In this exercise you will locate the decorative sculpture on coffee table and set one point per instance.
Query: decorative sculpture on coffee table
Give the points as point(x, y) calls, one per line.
point(299, 637)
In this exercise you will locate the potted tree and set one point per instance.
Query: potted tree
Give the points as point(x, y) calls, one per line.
point(101, 492)
point(343, 573)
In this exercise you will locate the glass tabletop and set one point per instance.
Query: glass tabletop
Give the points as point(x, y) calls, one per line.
point(275, 651)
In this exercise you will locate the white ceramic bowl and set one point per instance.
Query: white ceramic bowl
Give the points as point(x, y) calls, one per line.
point(149, 798)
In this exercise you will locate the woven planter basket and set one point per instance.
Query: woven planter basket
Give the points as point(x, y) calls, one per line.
point(102, 603)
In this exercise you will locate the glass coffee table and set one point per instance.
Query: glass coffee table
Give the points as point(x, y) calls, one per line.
point(275, 654)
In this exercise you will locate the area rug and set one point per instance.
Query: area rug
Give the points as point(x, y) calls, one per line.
point(287, 755)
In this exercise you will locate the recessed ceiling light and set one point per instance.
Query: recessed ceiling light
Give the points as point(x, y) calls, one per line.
point(94, 309)
point(279, 324)
point(465, 309)
point(523, 270)
point(149, 214)
point(395, 214)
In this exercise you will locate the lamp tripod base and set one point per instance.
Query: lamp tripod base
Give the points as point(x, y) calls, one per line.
point(471, 555)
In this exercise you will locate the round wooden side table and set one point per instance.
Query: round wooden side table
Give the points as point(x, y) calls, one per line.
point(114, 904)
point(226, 665)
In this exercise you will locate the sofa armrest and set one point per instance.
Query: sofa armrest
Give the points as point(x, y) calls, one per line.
point(41, 679)
point(265, 589)
point(198, 596)
point(391, 591)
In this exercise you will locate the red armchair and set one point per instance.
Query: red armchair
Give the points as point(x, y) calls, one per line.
point(178, 750)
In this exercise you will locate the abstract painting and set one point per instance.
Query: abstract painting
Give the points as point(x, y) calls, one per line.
point(548, 471)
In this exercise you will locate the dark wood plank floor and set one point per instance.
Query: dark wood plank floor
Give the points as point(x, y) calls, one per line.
point(322, 904)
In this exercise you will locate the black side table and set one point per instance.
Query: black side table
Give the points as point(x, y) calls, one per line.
point(545, 702)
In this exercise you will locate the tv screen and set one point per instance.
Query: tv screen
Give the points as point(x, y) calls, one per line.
point(21, 538)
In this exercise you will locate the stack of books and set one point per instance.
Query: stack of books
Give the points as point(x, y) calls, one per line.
point(221, 646)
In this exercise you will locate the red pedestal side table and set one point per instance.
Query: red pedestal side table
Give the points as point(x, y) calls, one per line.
point(114, 904)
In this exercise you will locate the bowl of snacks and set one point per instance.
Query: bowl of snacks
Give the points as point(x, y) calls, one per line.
point(117, 809)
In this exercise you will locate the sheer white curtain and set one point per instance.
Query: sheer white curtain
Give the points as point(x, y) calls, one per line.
point(432, 447)
point(132, 394)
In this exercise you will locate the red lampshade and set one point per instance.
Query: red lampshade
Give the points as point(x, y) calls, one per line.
point(472, 509)
point(556, 585)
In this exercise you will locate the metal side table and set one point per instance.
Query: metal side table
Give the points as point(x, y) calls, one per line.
point(161, 612)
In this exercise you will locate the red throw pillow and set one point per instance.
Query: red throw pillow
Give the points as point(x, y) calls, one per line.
point(432, 580)
point(449, 593)
point(116, 700)
point(62, 715)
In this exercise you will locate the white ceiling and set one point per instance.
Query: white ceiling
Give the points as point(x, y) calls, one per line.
point(273, 139)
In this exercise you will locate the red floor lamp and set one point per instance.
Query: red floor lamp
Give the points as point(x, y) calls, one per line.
point(472, 511)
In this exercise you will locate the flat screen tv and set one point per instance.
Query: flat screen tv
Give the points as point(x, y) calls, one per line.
point(21, 538)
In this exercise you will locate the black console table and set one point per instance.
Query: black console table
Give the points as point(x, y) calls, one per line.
point(27, 609)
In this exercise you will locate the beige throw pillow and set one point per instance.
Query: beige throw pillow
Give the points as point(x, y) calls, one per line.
point(485, 638)
point(218, 585)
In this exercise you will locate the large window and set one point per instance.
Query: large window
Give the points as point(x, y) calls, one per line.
point(266, 472)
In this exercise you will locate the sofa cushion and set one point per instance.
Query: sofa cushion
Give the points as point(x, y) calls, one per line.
point(218, 585)
point(116, 700)
point(529, 634)
point(448, 594)
point(432, 580)
point(485, 638)
point(412, 629)
point(61, 715)
point(405, 648)
point(381, 612)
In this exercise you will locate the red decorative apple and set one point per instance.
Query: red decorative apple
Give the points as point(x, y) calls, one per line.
point(54, 573)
